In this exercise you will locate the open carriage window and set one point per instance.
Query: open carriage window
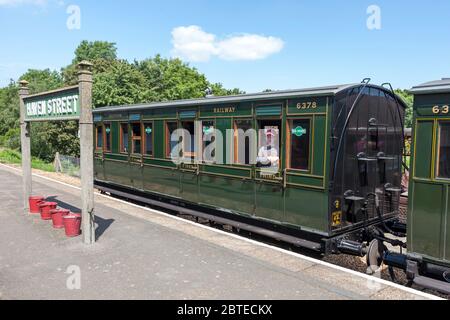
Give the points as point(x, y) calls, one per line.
point(298, 143)
point(243, 139)
point(208, 141)
point(136, 138)
point(171, 127)
point(107, 144)
point(443, 166)
point(124, 137)
point(148, 138)
point(99, 136)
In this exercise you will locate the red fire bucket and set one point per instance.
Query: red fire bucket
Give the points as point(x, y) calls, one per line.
point(34, 202)
point(46, 207)
point(72, 224)
point(57, 217)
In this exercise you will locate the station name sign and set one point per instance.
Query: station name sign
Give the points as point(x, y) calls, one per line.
point(61, 104)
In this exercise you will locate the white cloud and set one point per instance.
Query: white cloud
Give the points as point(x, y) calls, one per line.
point(13, 3)
point(194, 44)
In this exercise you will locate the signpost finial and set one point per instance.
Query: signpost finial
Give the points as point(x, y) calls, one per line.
point(84, 66)
point(23, 83)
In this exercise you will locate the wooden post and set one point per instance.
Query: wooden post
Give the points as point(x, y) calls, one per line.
point(87, 151)
point(25, 147)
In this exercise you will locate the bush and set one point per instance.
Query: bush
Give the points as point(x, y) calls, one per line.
point(11, 139)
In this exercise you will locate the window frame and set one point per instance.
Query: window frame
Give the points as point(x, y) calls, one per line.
point(101, 148)
point(144, 138)
point(438, 150)
point(121, 146)
point(135, 138)
point(288, 143)
point(105, 139)
point(281, 145)
point(167, 141)
point(213, 120)
point(236, 144)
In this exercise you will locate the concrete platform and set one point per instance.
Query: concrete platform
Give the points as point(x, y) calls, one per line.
point(145, 254)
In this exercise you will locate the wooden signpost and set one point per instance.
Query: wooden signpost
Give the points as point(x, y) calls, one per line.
point(70, 103)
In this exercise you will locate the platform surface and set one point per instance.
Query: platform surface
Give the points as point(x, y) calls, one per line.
point(144, 254)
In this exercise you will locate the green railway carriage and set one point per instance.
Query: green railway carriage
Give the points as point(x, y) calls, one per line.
point(429, 191)
point(337, 146)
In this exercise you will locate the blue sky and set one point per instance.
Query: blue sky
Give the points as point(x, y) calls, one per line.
point(249, 44)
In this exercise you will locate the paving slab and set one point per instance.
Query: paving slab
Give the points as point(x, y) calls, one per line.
point(145, 254)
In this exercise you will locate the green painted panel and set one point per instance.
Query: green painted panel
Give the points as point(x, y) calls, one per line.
point(119, 157)
point(226, 171)
point(269, 201)
point(425, 219)
point(272, 110)
point(115, 137)
point(189, 186)
point(160, 163)
point(307, 105)
point(423, 149)
point(165, 181)
point(98, 169)
point(447, 226)
point(305, 180)
point(159, 139)
point(136, 172)
point(222, 124)
point(229, 193)
point(117, 172)
point(226, 110)
point(163, 113)
point(319, 145)
point(300, 212)
point(115, 116)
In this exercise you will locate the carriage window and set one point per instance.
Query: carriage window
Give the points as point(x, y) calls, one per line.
point(243, 136)
point(269, 144)
point(107, 137)
point(170, 145)
point(99, 134)
point(136, 138)
point(208, 138)
point(298, 139)
point(148, 139)
point(443, 168)
point(124, 137)
point(188, 147)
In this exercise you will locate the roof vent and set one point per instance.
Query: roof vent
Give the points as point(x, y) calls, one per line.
point(209, 93)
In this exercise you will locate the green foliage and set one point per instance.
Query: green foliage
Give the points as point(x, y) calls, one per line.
point(91, 51)
point(409, 100)
point(42, 80)
point(219, 90)
point(120, 84)
point(14, 157)
point(9, 108)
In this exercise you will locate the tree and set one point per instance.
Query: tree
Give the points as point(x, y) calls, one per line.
point(121, 84)
point(409, 100)
point(101, 53)
point(172, 79)
point(219, 90)
point(95, 50)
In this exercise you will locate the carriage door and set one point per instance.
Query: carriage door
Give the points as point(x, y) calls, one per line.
point(268, 176)
point(189, 168)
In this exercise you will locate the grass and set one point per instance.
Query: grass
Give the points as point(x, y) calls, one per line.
point(14, 157)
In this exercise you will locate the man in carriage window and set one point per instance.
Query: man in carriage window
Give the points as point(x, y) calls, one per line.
point(268, 155)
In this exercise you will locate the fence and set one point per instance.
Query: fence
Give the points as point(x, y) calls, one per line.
point(67, 165)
